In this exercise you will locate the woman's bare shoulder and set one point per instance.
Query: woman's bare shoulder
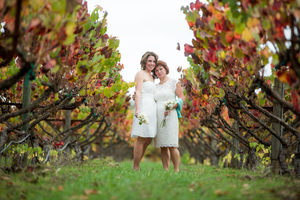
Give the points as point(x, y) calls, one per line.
point(140, 73)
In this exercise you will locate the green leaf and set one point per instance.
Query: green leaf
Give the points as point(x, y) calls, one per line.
point(55, 69)
point(107, 92)
point(59, 6)
point(87, 25)
point(266, 23)
point(239, 53)
point(70, 39)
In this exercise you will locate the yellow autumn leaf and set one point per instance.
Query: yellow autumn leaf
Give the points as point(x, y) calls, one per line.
point(247, 35)
point(70, 27)
point(251, 22)
point(223, 54)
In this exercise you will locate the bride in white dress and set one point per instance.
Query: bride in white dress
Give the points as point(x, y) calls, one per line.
point(144, 103)
point(167, 136)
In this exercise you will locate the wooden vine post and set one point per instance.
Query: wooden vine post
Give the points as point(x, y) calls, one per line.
point(214, 158)
point(26, 101)
point(277, 111)
point(234, 151)
point(67, 150)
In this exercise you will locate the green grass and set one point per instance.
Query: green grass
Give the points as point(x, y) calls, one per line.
point(104, 179)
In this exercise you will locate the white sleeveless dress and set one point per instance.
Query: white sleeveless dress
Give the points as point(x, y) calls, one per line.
point(166, 136)
point(147, 106)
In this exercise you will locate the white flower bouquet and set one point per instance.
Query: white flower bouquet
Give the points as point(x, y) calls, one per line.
point(142, 118)
point(168, 106)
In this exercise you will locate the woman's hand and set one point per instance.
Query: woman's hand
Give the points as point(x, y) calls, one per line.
point(167, 112)
point(133, 96)
point(137, 113)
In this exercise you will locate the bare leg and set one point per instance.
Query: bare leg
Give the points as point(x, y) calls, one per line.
point(175, 155)
point(165, 158)
point(138, 152)
point(148, 141)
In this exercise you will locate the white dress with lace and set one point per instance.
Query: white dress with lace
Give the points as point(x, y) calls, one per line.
point(148, 107)
point(166, 136)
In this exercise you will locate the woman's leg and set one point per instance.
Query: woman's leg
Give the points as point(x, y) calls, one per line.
point(138, 152)
point(165, 158)
point(148, 141)
point(175, 155)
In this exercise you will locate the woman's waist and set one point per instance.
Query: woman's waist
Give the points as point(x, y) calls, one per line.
point(147, 96)
point(164, 100)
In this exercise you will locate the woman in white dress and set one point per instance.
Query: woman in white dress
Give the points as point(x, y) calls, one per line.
point(144, 103)
point(167, 136)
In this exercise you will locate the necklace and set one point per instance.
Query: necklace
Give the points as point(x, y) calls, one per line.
point(163, 81)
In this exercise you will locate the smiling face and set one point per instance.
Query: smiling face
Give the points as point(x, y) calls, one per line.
point(150, 63)
point(160, 72)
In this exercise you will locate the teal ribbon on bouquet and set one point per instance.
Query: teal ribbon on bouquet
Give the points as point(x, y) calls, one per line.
point(178, 108)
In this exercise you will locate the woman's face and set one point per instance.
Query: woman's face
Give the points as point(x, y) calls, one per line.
point(160, 72)
point(150, 64)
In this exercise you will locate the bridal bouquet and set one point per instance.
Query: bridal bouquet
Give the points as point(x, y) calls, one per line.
point(168, 106)
point(142, 118)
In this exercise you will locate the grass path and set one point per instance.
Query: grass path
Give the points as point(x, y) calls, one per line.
point(104, 179)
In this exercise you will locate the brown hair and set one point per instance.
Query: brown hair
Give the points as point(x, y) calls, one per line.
point(145, 58)
point(163, 64)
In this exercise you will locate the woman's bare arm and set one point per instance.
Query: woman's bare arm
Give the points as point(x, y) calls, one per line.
point(179, 94)
point(139, 79)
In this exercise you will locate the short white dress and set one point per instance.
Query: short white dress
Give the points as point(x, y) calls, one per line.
point(148, 107)
point(166, 136)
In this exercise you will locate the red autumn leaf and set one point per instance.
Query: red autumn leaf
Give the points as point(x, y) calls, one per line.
point(195, 102)
point(292, 78)
point(33, 24)
point(276, 5)
point(218, 27)
point(272, 65)
point(49, 65)
point(212, 45)
point(10, 22)
point(282, 75)
point(217, 5)
point(190, 23)
point(229, 36)
point(197, 5)
point(237, 36)
point(219, 84)
point(212, 56)
point(295, 100)
point(188, 49)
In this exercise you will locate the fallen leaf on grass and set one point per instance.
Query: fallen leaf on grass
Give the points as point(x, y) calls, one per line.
point(57, 170)
point(30, 169)
point(10, 183)
point(91, 191)
point(60, 188)
point(34, 180)
point(5, 178)
point(220, 193)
